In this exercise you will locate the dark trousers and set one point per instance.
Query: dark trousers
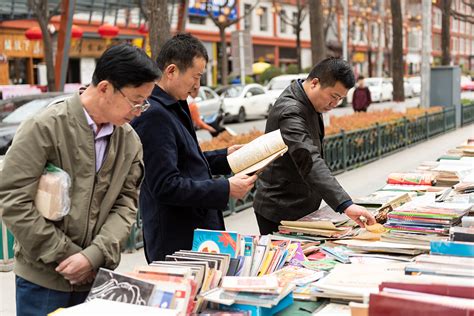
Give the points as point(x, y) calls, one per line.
point(266, 226)
point(35, 300)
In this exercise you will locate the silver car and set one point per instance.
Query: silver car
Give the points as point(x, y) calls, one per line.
point(209, 103)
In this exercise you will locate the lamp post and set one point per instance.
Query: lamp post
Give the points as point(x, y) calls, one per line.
point(425, 54)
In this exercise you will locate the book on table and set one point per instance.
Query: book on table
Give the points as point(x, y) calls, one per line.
point(257, 154)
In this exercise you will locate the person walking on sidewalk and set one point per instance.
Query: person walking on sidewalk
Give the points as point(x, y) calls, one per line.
point(88, 137)
point(361, 98)
point(294, 185)
point(179, 193)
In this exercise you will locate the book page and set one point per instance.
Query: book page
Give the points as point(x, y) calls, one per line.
point(256, 151)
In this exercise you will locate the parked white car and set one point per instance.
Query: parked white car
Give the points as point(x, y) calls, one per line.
point(279, 83)
point(208, 102)
point(415, 83)
point(408, 89)
point(242, 102)
point(381, 89)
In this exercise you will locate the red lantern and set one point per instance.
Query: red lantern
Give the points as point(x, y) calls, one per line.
point(34, 33)
point(143, 29)
point(76, 32)
point(108, 30)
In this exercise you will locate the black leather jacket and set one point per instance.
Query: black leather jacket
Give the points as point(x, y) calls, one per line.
point(294, 185)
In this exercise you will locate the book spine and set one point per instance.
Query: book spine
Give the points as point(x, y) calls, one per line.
point(453, 248)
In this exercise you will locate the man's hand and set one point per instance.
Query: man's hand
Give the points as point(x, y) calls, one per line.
point(355, 212)
point(240, 185)
point(75, 268)
point(231, 149)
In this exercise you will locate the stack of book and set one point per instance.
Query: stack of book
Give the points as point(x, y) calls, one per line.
point(320, 225)
point(423, 223)
point(442, 265)
point(251, 293)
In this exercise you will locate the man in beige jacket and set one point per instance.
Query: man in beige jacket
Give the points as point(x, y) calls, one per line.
point(87, 136)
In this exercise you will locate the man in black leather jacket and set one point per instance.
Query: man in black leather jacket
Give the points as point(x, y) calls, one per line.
point(294, 185)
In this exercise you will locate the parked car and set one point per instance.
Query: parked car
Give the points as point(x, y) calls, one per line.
point(279, 83)
point(12, 121)
point(381, 89)
point(209, 103)
point(467, 84)
point(415, 83)
point(407, 89)
point(241, 102)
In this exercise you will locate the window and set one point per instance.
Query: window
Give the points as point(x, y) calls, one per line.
point(248, 17)
point(196, 19)
point(437, 17)
point(295, 20)
point(264, 19)
point(209, 94)
point(374, 34)
point(414, 39)
point(256, 91)
point(282, 22)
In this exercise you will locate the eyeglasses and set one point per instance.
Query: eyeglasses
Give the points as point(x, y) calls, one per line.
point(338, 100)
point(141, 106)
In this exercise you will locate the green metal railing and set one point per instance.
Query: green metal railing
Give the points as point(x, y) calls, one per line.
point(349, 150)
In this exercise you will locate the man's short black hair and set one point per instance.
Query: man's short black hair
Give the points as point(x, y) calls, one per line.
point(331, 70)
point(360, 78)
point(125, 65)
point(181, 50)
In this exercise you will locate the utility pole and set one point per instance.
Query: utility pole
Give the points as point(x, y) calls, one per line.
point(381, 46)
point(242, 57)
point(426, 54)
point(345, 30)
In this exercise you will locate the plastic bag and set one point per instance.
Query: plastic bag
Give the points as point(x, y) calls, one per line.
point(52, 198)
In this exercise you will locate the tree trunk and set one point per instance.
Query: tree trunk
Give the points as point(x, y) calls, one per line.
point(159, 25)
point(48, 54)
point(445, 32)
point(298, 48)
point(316, 22)
point(397, 51)
point(41, 10)
point(182, 15)
point(224, 60)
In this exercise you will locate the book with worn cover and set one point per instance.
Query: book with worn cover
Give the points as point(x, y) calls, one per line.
point(257, 154)
point(215, 241)
point(114, 286)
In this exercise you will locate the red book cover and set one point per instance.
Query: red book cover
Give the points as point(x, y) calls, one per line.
point(438, 289)
point(384, 304)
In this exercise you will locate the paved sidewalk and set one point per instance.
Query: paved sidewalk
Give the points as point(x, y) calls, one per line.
point(359, 181)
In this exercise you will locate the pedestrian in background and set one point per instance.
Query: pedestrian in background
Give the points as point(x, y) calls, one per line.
point(361, 98)
point(194, 111)
point(88, 137)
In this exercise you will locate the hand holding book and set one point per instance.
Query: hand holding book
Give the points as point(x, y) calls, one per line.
point(257, 154)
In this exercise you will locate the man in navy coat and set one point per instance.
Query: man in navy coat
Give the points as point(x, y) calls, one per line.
point(178, 193)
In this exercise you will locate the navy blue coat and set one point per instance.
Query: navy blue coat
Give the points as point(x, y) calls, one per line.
point(178, 193)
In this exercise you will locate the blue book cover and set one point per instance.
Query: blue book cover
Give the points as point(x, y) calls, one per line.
point(216, 241)
point(262, 311)
point(452, 248)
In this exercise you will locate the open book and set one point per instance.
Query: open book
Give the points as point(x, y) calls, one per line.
point(257, 154)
